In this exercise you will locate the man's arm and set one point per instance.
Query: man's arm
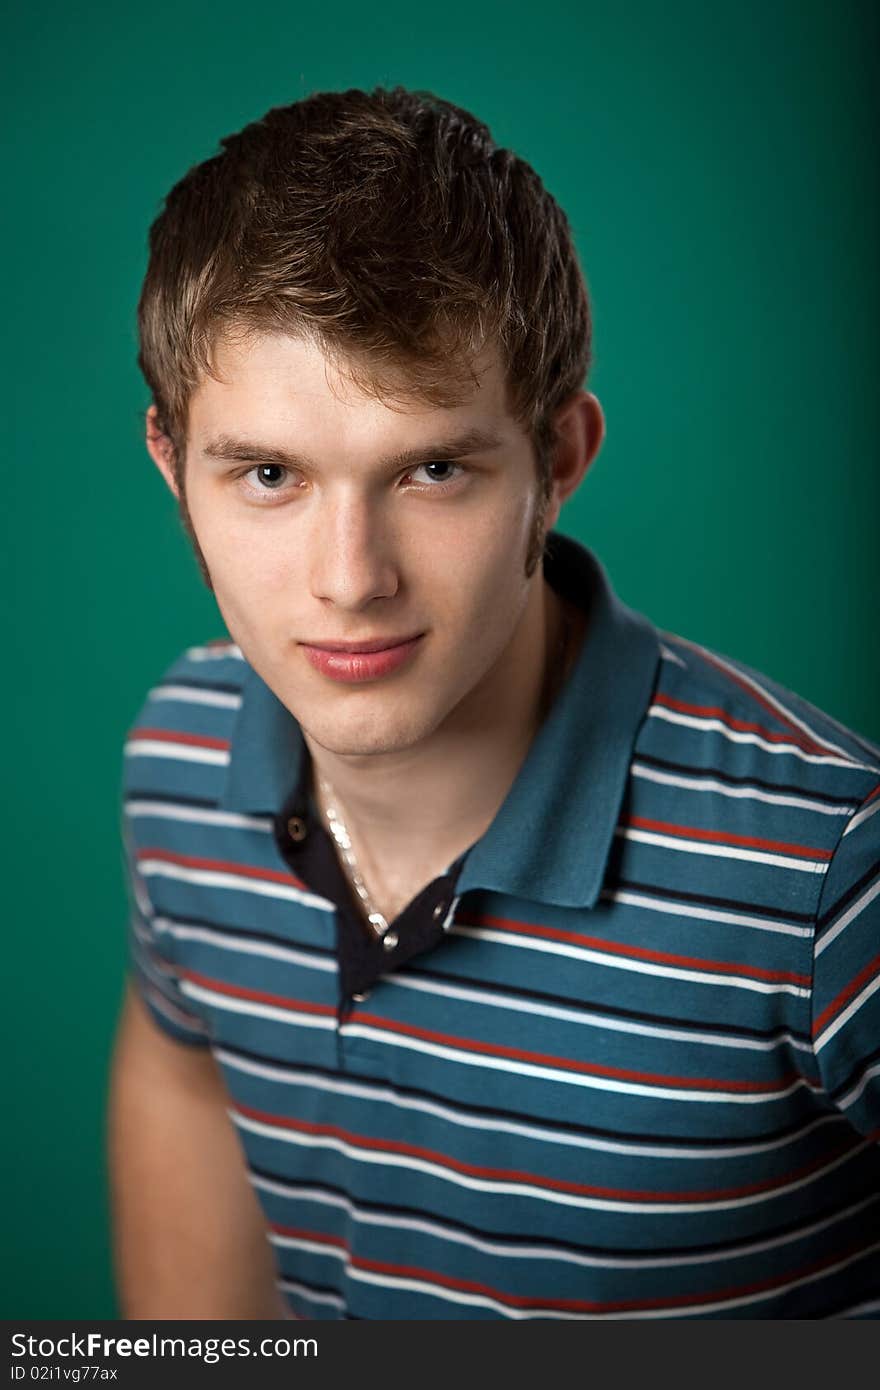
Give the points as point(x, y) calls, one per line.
point(189, 1236)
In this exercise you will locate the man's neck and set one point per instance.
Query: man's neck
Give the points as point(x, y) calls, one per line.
point(411, 813)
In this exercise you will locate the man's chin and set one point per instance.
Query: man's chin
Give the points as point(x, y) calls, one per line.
point(361, 740)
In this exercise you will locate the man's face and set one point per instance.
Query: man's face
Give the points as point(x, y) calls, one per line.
point(327, 517)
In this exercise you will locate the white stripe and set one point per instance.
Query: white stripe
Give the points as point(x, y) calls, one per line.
point(213, 878)
point(182, 932)
point(707, 914)
point(784, 1288)
point(182, 1020)
point(843, 1018)
point(223, 652)
point(310, 1247)
point(568, 1078)
point(518, 1314)
point(189, 695)
point(196, 815)
point(139, 890)
point(754, 856)
point(536, 1252)
point(853, 1095)
point(292, 1286)
point(871, 750)
point(446, 924)
point(669, 655)
point(254, 1009)
point(558, 948)
point(782, 710)
point(142, 935)
point(413, 1164)
point(749, 793)
point(454, 1296)
point(871, 1306)
point(481, 1122)
point(861, 816)
point(155, 971)
point(182, 752)
point(693, 721)
point(586, 1017)
point(424, 1286)
point(849, 915)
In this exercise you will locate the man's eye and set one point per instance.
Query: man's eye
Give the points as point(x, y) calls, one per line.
point(269, 476)
point(439, 471)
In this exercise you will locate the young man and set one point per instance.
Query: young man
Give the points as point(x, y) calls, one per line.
point(496, 956)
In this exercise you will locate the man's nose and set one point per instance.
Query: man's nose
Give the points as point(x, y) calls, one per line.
point(353, 554)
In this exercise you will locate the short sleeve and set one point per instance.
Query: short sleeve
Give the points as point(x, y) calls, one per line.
point(151, 961)
point(846, 972)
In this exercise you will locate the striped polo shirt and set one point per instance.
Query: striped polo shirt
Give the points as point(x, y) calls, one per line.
point(625, 1059)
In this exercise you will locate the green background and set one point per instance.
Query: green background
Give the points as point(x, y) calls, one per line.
point(718, 163)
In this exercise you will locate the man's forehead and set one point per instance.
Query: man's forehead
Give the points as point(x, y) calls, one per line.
point(282, 375)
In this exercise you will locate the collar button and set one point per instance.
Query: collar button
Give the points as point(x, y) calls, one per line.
point(297, 829)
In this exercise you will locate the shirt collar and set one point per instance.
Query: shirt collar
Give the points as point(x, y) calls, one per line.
point(552, 835)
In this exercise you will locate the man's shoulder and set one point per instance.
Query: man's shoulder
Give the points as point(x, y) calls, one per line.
point(729, 716)
point(180, 740)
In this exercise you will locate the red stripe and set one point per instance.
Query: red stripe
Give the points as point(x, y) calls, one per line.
point(740, 725)
point(174, 736)
point(754, 692)
point(871, 795)
point(846, 994)
point(724, 837)
point(596, 943)
point(190, 861)
point(259, 996)
point(691, 1083)
point(300, 1233)
point(394, 1146)
point(572, 1305)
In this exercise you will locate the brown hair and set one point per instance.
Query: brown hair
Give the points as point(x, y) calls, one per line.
point(388, 227)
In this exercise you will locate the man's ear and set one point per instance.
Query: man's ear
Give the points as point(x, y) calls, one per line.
point(580, 430)
point(161, 450)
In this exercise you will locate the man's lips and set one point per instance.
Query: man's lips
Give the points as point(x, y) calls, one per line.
point(368, 659)
point(371, 644)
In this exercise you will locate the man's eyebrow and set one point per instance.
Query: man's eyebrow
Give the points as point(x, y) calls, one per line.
point(472, 441)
